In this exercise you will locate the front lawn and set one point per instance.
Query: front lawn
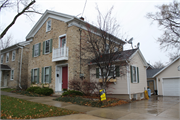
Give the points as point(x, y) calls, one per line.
point(13, 108)
point(91, 101)
point(8, 89)
point(23, 92)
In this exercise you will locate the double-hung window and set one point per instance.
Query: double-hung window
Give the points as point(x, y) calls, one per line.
point(47, 46)
point(35, 75)
point(134, 74)
point(113, 72)
point(2, 59)
point(13, 55)
point(7, 57)
point(48, 26)
point(36, 50)
point(46, 74)
point(12, 74)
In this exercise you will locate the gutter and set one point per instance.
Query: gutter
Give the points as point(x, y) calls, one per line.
point(20, 66)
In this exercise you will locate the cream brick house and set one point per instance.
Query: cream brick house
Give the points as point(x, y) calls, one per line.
point(14, 65)
point(54, 51)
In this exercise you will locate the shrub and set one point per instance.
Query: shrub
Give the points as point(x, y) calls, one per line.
point(72, 92)
point(32, 89)
point(44, 91)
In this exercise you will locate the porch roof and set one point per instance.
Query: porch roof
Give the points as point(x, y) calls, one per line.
point(5, 67)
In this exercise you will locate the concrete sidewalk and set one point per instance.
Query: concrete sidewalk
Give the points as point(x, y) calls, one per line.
point(156, 108)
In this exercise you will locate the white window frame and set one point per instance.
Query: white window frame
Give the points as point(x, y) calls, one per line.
point(142, 95)
point(135, 96)
point(45, 46)
point(14, 51)
point(7, 54)
point(2, 59)
point(136, 75)
point(33, 75)
point(109, 75)
point(47, 25)
point(61, 36)
point(37, 49)
point(107, 50)
point(45, 74)
point(12, 75)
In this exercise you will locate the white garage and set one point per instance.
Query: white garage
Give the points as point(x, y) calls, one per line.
point(171, 87)
point(168, 79)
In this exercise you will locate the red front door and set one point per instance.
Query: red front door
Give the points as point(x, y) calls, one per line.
point(65, 77)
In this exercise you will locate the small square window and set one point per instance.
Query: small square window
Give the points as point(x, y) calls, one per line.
point(13, 55)
point(135, 96)
point(7, 57)
point(48, 26)
point(142, 95)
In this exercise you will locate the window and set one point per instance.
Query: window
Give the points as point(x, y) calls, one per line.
point(115, 49)
point(13, 55)
point(7, 57)
point(47, 46)
point(12, 74)
point(2, 59)
point(142, 95)
point(114, 72)
point(134, 74)
point(48, 26)
point(35, 75)
point(135, 96)
point(46, 74)
point(107, 49)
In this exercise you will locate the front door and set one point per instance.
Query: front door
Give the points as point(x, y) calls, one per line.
point(5, 79)
point(65, 77)
point(58, 84)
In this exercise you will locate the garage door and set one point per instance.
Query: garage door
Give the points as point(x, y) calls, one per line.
point(171, 87)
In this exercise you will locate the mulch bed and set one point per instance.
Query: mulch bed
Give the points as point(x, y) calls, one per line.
point(23, 92)
point(91, 101)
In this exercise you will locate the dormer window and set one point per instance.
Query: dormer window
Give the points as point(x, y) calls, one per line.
point(48, 26)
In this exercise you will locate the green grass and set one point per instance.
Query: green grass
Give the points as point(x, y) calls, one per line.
point(7, 89)
point(14, 108)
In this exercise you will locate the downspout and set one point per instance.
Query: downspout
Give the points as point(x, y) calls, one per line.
point(20, 67)
point(128, 81)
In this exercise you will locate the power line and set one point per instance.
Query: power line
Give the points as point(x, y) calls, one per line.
point(84, 7)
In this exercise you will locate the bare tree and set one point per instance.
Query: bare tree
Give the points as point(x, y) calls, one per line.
point(100, 46)
point(173, 56)
point(168, 17)
point(5, 42)
point(158, 65)
point(23, 7)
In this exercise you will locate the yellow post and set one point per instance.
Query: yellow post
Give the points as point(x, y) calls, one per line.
point(102, 94)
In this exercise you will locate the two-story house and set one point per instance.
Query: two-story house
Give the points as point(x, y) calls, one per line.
point(14, 65)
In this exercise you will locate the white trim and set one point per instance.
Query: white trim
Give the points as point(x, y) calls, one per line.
point(11, 74)
point(166, 67)
point(45, 46)
point(128, 79)
point(47, 30)
point(6, 57)
point(45, 75)
point(14, 55)
point(157, 87)
point(64, 35)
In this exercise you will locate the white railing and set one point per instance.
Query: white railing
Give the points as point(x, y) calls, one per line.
point(60, 54)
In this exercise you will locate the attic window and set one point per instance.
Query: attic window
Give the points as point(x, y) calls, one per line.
point(48, 26)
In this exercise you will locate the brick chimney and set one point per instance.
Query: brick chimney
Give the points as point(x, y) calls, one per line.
point(81, 18)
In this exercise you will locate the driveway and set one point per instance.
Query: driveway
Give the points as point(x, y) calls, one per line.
point(156, 108)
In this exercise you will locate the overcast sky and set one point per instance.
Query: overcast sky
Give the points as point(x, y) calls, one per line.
point(129, 13)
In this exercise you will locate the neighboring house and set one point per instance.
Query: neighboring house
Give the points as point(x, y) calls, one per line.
point(14, 65)
point(168, 79)
point(151, 82)
point(54, 51)
point(130, 81)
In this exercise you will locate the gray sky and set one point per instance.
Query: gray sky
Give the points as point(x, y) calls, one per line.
point(129, 13)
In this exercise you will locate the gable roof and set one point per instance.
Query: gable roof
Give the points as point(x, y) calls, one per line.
point(152, 72)
point(122, 56)
point(69, 19)
point(166, 66)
